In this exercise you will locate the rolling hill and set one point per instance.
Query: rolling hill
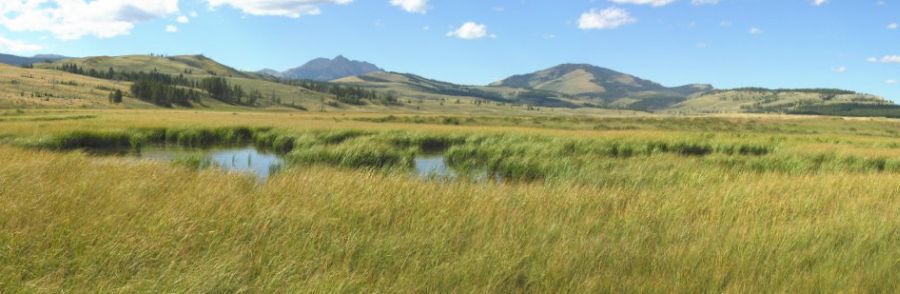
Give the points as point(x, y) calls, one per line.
point(761, 100)
point(198, 67)
point(604, 87)
point(44, 88)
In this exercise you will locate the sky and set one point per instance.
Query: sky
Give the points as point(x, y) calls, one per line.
point(848, 44)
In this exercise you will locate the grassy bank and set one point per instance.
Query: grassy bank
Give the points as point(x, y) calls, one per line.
point(511, 156)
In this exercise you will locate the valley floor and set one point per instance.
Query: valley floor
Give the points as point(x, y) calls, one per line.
point(589, 204)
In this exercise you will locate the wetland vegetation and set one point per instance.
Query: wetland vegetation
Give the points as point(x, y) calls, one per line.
point(719, 204)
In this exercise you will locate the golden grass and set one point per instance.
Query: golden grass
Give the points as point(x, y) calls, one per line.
point(73, 223)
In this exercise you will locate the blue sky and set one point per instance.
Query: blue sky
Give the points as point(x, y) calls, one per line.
point(852, 44)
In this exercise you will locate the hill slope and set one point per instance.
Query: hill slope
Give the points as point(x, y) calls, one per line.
point(184, 64)
point(757, 100)
point(323, 69)
point(197, 67)
point(41, 88)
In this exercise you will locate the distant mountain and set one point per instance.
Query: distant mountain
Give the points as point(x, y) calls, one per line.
point(20, 60)
point(270, 72)
point(323, 69)
point(412, 86)
point(604, 87)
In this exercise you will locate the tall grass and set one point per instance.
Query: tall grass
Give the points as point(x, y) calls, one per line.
point(747, 205)
point(71, 223)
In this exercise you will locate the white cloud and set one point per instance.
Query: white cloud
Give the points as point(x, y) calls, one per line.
point(892, 26)
point(470, 31)
point(74, 19)
point(18, 46)
point(609, 18)
point(171, 29)
point(654, 3)
point(755, 31)
point(704, 2)
point(194, 14)
point(891, 59)
point(819, 2)
point(872, 59)
point(839, 69)
point(892, 82)
point(412, 6)
point(182, 19)
point(287, 8)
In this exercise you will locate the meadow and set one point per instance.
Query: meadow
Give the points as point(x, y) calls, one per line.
point(588, 203)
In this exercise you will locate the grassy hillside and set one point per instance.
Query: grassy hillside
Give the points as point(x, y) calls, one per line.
point(776, 101)
point(190, 65)
point(44, 88)
point(197, 67)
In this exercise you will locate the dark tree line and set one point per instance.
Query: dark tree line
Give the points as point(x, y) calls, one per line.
point(353, 95)
point(167, 90)
point(111, 74)
point(219, 89)
point(163, 94)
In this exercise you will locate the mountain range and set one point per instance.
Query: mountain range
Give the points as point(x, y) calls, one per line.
point(570, 86)
point(20, 60)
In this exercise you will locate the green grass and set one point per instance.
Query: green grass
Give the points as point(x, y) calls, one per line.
point(662, 204)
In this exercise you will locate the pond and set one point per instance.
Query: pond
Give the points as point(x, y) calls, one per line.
point(260, 163)
point(433, 166)
point(248, 160)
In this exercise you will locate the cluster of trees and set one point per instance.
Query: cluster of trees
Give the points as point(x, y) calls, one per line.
point(219, 89)
point(154, 87)
point(112, 74)
point(163, 94)
point(116, 96)
point(166, 90)
point(353, 95)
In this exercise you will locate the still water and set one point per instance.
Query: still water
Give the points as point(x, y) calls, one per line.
point(263, 164)
point(242, 159)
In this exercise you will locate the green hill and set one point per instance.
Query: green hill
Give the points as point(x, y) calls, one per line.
point(761, 100)
point(603, 87)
